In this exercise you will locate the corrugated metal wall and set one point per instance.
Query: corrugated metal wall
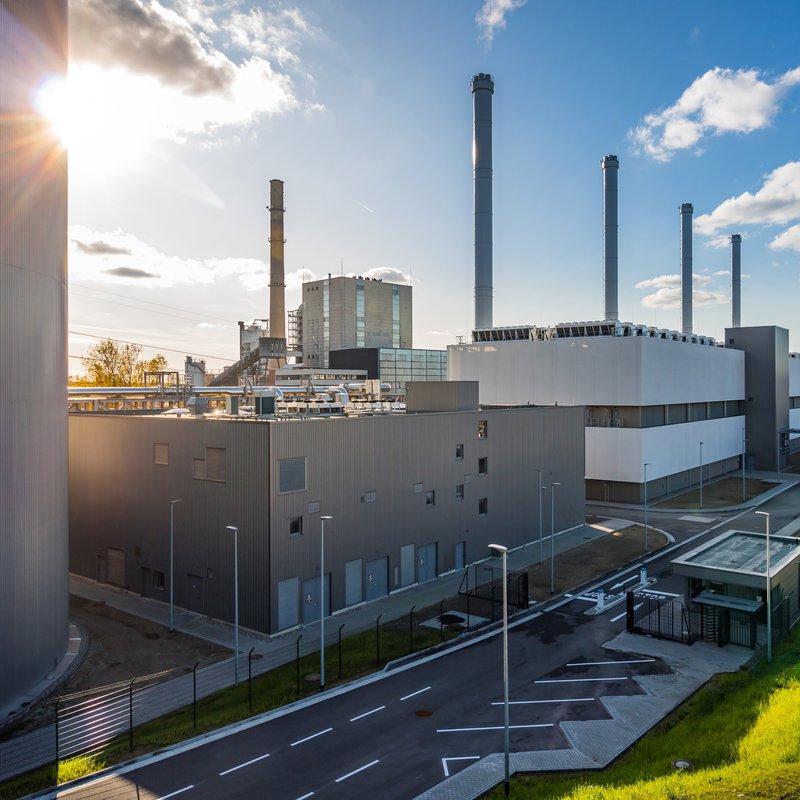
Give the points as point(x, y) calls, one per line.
point(33, 419)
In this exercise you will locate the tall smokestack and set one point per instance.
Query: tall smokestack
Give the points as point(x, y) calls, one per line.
point(686, 267)
point(482, 91)
point(277, 284)
point(610, 234)
point(736, 280)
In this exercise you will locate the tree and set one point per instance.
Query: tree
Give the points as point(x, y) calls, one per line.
point(157, 364)
point(109, 363)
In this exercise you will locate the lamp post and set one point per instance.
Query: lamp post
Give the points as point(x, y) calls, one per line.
point(744, 453)
point(235, 532)
point(171, 560)
point(645, 465)
point(701, 474)
point(499, 548)
point(541, 489)
point(769, 593)
point(322, 603)
point(552, 535)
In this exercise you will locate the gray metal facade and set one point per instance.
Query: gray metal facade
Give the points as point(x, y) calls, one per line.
point(33, 420)
point(388, 482)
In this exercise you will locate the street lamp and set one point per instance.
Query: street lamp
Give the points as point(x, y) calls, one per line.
point(322, 604)
point(701, 474)
point(499, 548)
point(235, 532)
point(171, 560)
point(552, 535)
point(646, 465)
point(769, 593)
point(541, 489)
point(744, 453)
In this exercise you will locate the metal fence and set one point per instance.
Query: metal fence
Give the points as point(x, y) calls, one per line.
point(483, 582)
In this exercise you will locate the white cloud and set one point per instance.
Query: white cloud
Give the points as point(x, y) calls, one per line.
point(492, 16)
point(788, 240)
point(390, 275)
point(668, 292)
point(720, 101)
point(721, 242)
point(296, 279)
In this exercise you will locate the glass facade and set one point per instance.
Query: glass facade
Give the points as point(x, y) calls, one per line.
point(359, 313)
point(326, 320)
point(400, 366)
point(395, 316)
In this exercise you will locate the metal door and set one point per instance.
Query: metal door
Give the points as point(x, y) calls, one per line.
point(288, 613)
point(147, 582)
point(426, 562)
point(407, 570)
point(311, 599)
point(195, 594)
point(377, 578)
point(102, 572)
point(461, 554)
point(353, 590)
point(116, 566)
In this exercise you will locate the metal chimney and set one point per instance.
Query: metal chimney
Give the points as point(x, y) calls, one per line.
point(610, 235)
point(482, 91)
point(736, 280)
point(686, 210)
point(277, 284)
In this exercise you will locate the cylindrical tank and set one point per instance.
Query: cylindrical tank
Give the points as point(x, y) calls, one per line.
point(482, 91)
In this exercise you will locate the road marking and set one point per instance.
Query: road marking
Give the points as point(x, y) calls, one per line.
point(579, 680)
point(356, 771)
point(692, 518)
point(587, 599)
point(246, 764)
point(179, 791)
point(454, 758)
point(367, 713)
point(313, 736)
point(531, 702)
point(618, 617)
point(653, 591)
point(306, 796)
point(494, 728)
point(622, 583)
point(414, 694)
point(604, 663)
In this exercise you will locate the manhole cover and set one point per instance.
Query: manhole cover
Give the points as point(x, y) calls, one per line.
point(682, 763)
point(424, 712)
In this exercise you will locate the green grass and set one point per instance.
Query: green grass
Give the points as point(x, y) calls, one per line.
point(741, 732)
point(270, 690)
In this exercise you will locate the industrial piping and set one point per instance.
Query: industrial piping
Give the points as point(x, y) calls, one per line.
point(277, 284)
point(610, 236)
point(482, 91)
point(686, 210)
point(736, 280)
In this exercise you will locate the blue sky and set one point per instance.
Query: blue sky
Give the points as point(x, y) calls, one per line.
point(182, 111)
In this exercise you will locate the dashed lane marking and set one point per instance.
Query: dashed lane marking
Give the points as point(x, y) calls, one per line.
point(414, 694)
point(533, 702)
point(494, 728)
point(246, 764)
point(177, 792)
point(367, 713)
point(356, 771)
point(607, 663)
point(313, 736)
point(583, 680)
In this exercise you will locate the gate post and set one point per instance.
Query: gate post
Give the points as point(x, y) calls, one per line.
point(629, 611)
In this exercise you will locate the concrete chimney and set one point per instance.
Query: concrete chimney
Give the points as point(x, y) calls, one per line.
point(277, 284)
point(686, 210)
point(482, 91)
point(610, 236)
point(736, 280)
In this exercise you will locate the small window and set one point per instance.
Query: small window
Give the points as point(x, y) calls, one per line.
point(369, 497)
point(313, 508)
point(468, 478)
point(483, 506)
point(161, 453)
point(291, 475)
point(215, 464)
point(459, 452)
point(483, 465)
point(483, 428)
point(159, 580)
point(417, 488)
point(296, 526)
point(430, 499)
point(199, 469)
point(210, 574)
point(460, 491)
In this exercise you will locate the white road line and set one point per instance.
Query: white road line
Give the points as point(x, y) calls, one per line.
point(454, 758)
point(532, 702)
point(414, 694)
point(179, 791)
point(618, 617)
point(306, 796)
point(653, 591)
point(494, 728)
point(246, 764)
point(583, 680)
point(356, 771)
point(367, 713)
point(313, 736)
point(605, 663)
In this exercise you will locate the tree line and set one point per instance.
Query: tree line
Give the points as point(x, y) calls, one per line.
point(109, 363)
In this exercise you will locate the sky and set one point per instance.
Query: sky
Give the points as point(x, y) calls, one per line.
point(179, 112)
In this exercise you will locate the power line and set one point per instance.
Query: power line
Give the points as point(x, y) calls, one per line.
point(143, 344)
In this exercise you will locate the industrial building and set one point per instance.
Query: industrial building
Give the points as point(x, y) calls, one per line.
point(411, 495)
point(33, 348)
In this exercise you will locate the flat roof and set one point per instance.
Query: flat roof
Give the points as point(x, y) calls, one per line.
point(743, 552)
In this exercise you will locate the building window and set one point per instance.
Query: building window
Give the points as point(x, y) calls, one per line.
point(483, 506)
point(430, 499)
point(161, 453)
point(295, 526)
point(159, 580)
point(483, 428)
point(483, 465)
point(417, 488)
point(291, 475)
point(369, 497)
point(459, 452)
point(460, 491)
point(215, 464)
point(199, 469)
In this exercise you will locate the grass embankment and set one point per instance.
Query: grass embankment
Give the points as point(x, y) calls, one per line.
point(271, 690)
point(741, 732)
point(721, 493)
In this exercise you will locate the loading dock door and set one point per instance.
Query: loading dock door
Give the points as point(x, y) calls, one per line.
point(195, 596)
point(353, 590)
point(288, 614)
point(407, 571)
point(116, 566)
point(461, 548)
point(426, 563)
point(377, 578)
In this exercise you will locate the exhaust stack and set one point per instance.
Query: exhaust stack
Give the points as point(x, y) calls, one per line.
point(736, 280)
point(482, 91)
point(277, 283)
point(686, 210)
point(610, 237)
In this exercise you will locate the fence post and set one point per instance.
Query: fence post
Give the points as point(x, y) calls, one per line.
point(441, 620)
point(467, 610)
point(340, 650)
point(194, 692)
point(250, 679)
point(492, 596)
point(411, 630)
point(130, 714)
point(629, 611)
point(378, 640)
point(297, 661)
